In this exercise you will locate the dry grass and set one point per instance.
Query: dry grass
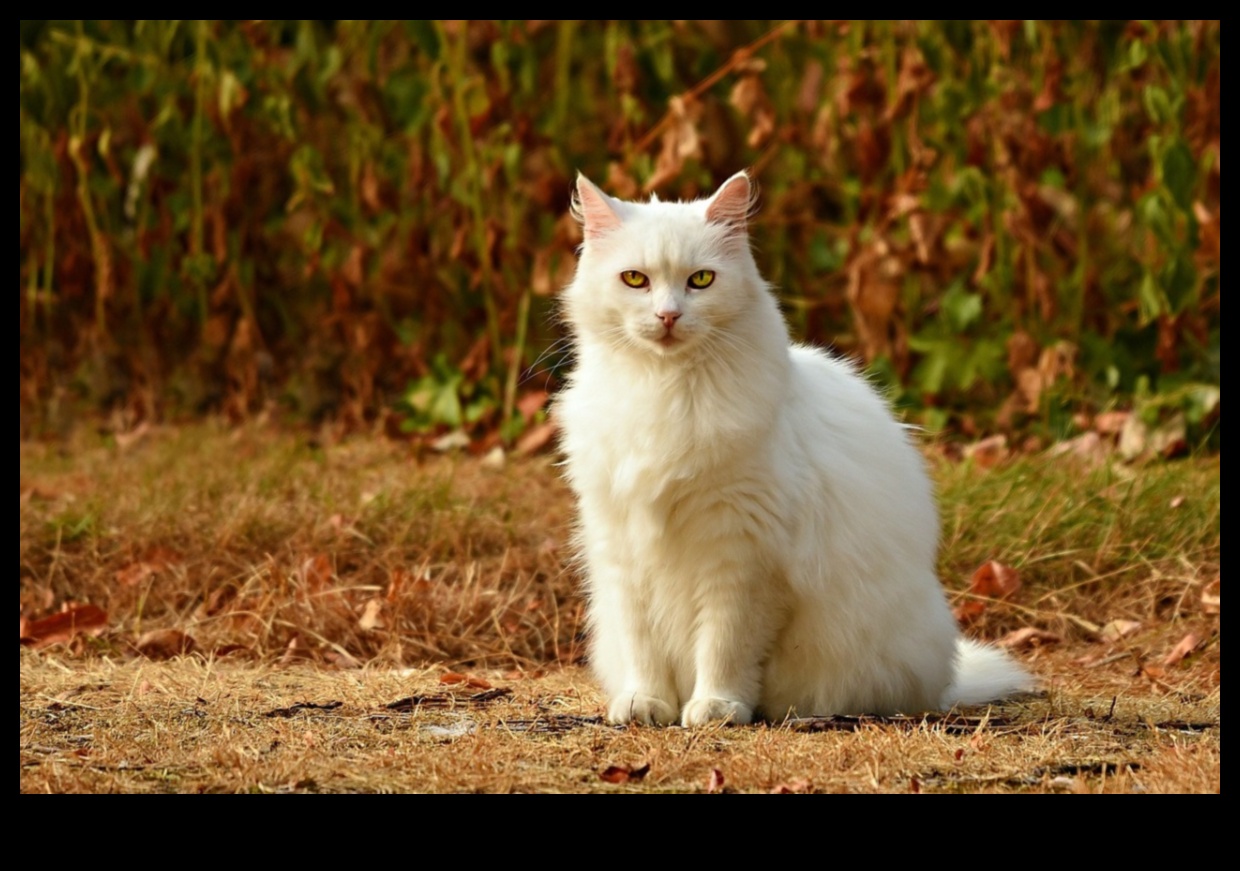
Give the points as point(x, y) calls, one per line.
point(203, 726)
point(269, 551)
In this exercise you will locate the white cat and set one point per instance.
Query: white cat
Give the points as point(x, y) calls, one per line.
point(758, 533)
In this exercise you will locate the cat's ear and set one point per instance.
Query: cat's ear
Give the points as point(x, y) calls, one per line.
point(594, 209)
point(733, 203)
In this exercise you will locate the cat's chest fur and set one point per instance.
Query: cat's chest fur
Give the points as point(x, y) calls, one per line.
point(666, 432)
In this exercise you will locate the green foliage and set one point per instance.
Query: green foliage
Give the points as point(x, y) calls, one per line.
point(223, 215)
point(443, 398)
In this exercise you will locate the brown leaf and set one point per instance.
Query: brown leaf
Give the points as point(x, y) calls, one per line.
point(995, 581)
point(531, 403)
point(1087, 447)
point(988, 452)
point(681, 141)
point(469, 680)
point(164, 644)
point(37, 492)
point(126, 440)
point(796, 785)
point(1117, 629)
point(536, 438)
point(342, 659)
point(1028, 636)
point(1167, 439)
point(134, 574)
point(73, 619)
point(624, 773)
point(621, 182)
point(292, 652)
point(1111, 422)
point(229, 649)
point(1186, 645)
point(715, 782)
point(316, 572)
point(1210, 597)
point(968, 611)
point(372, 616)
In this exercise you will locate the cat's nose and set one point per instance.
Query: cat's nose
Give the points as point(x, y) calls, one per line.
point(669, 318)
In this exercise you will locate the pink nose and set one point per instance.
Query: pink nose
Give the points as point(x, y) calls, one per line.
point(669, 318)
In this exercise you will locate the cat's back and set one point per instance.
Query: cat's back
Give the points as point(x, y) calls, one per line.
point(851, 444)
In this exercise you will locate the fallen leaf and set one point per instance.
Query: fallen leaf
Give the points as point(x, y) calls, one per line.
point(1186, 645)
point(342, 659)
point(531, 403)
point(715, 782)
point(995, 580)
point(317, 572)
point(1087, 447)
point(451, 442)
point(37, 492)
point(162, 557)
point(372, 616)
point(536, 438)
point(1210, 597)
point(469, 680)
point(1028, 636)
point(1071, 784)
point(624, 773)
point(134, 574)
point(164, 644)
point(796, 785)
point(968, 611)
point(988, 452)
point(1111, 422)
point(992, 580)
point(229, 649)
point(1117, 629)
point(1132, 438)
point(72, 620)
point(126, 440)
point(1167, 439)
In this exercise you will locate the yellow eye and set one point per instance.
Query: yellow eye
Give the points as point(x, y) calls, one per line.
point(633, 278)
point(701, 279)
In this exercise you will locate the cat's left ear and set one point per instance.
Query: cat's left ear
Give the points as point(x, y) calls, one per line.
point(733, 203)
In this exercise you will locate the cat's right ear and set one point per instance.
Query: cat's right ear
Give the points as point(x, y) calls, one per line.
point(594, 209)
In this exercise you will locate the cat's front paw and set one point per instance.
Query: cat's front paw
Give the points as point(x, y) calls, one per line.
point(640, 708)
point(699, 712)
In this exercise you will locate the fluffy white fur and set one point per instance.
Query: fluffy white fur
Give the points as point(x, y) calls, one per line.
point(758, 533)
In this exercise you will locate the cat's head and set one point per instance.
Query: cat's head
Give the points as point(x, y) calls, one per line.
point(662, 278)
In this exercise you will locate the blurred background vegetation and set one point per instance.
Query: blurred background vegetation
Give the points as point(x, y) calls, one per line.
point(1015, 224)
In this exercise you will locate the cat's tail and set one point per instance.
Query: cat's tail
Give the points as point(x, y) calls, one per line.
point(984, 673)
